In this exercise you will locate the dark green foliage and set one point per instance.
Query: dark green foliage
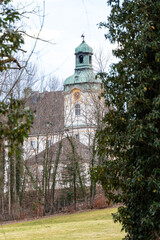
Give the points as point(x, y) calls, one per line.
point(15, 122)
point(10, 37)
point(130, 140)
point(19, 170)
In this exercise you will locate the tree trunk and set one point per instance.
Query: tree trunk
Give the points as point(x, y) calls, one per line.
point(55, 173)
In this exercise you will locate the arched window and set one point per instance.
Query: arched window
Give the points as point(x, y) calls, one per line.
point(81, 59)
point(77, 110)
point(90, 59)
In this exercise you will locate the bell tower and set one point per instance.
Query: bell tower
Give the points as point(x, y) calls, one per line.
point(80, 90)
point(83, 56)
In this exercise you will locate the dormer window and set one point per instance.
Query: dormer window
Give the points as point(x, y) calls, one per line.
point(77, 110)
point(81, 59)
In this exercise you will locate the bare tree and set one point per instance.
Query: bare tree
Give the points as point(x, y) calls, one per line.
point(47, 130)
point(27, 80)
point(15, 120)
point(54, 84)
point(101, 61)
point(14, 60)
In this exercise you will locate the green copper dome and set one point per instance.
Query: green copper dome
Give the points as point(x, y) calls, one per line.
point(83, 48)
point(82, 77)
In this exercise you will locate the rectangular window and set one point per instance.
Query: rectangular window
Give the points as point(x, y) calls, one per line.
point(77, 110)
point(77, 136)
point(33, 144)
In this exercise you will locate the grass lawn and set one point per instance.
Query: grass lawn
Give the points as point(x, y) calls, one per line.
point(91, 225)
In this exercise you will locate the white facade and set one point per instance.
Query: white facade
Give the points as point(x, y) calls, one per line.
point(80, 113)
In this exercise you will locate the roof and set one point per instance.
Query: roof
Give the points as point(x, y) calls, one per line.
point(81, 150)
point(84, 48)
point(82, 77)
point(48, 108)
point(85, 77)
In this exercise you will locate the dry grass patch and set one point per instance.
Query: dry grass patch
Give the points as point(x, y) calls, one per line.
point(85, 226)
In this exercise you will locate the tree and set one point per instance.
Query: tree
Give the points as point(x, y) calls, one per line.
point(129, 140)
point(11, 40)
point(101, 61)
point(15, 119)
point(42, 154)
point(10, 127)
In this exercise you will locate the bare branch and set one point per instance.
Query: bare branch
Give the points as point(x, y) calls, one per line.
point(37, 38)
point(19, 49)
point(9, 60)
point(35, 44)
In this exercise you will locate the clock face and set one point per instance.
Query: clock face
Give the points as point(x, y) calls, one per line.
point(76, 95)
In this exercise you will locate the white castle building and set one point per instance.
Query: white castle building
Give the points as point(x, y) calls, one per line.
point(74, 112)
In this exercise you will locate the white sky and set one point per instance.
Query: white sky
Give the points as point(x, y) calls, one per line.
point(64, 23)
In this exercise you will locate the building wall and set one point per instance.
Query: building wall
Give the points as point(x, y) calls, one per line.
point(36, 144)
point(85, 123)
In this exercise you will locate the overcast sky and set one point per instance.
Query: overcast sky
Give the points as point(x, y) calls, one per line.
point(64, 23)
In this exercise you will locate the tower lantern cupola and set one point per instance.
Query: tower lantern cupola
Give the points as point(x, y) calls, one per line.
point(83, 77)
point(83, 56)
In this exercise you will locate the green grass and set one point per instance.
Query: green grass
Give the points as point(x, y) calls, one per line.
point(85, 226)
